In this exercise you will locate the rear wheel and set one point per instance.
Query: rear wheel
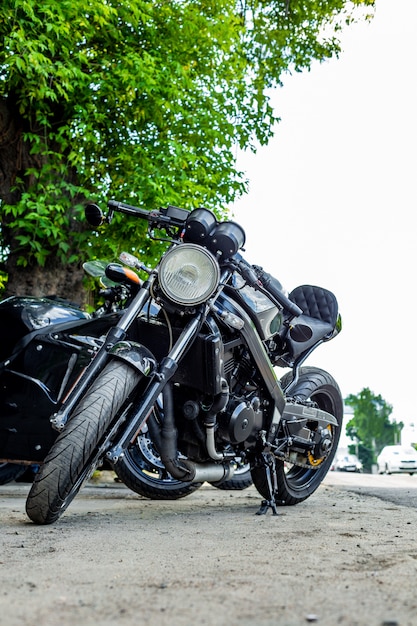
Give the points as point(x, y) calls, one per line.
point(74, 455)
point(295, 483)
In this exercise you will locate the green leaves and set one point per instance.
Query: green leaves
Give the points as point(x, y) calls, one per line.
point(143, 100)
point(371, 424)
point(38, 226)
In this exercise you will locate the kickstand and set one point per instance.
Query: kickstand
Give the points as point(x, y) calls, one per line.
point(265, 505)
point(269, 504)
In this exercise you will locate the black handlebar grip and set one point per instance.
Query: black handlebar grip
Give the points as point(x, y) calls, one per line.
point(129, 209)
point(289, 305)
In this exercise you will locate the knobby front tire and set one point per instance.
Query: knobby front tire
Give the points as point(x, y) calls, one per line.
point(71, 459)
point(295, 483)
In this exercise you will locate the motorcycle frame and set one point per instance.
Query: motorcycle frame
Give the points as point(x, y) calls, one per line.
point(116, 346)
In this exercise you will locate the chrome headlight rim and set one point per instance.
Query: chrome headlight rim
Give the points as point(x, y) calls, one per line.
point(188, 274)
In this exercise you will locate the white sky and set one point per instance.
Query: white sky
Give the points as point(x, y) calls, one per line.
point(332, 201)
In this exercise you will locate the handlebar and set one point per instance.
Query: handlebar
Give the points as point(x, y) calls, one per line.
point(175, 217)
point(264, 282)
point(267, 281)
point(171, 216)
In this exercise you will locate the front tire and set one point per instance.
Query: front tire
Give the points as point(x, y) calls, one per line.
point(73, 457)
point(295, 483)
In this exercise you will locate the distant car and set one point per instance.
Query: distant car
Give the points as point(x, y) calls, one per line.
point(347, 463)
point(397, 460)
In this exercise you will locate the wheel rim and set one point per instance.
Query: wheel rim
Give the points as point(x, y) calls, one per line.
point(301, 478)
point(148, 461)
point(144, 461)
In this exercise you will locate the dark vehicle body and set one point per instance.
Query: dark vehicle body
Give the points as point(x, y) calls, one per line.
point(45, 344)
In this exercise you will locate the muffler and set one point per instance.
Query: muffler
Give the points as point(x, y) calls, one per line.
point(211, 472)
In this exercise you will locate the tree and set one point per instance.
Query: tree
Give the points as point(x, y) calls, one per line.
point(144, 100)
point(371, 426)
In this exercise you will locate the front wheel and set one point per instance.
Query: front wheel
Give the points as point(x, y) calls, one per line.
point(141, 469)
point(296, 483)
point(73, 457)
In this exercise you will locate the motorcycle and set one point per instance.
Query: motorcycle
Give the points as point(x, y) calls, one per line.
point(190, 365)
point(46, 344)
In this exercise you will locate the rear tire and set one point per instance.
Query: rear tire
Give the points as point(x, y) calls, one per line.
point(72, 458)
point(294, 483)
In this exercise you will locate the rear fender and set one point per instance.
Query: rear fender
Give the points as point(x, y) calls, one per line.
point(136, 355)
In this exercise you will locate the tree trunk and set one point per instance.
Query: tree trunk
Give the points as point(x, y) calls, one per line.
point(64, 282)
point(15, 159)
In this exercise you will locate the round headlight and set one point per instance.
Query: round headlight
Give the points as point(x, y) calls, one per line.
point(189, 274)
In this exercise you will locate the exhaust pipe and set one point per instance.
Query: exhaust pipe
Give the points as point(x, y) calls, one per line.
point(183, 469)
point(212, 473)
point(168, 441)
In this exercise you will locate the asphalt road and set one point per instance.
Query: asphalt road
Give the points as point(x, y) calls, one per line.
point(344, 557)
point(397, 488)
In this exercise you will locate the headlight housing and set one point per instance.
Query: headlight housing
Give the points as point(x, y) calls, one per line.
point(189, 274)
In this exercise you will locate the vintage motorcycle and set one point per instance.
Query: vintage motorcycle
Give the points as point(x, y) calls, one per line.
point(45, 345)
point(191, 364)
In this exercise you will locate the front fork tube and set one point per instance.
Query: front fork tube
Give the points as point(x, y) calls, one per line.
point(115, 334)
point(143, 406)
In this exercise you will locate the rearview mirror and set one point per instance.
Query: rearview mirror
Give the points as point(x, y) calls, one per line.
point(94, 215)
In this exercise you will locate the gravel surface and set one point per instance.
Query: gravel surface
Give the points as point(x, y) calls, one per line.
point(341, 557)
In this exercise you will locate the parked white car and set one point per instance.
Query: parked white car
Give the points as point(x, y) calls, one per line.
point(348, 463)
point(397, 460)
